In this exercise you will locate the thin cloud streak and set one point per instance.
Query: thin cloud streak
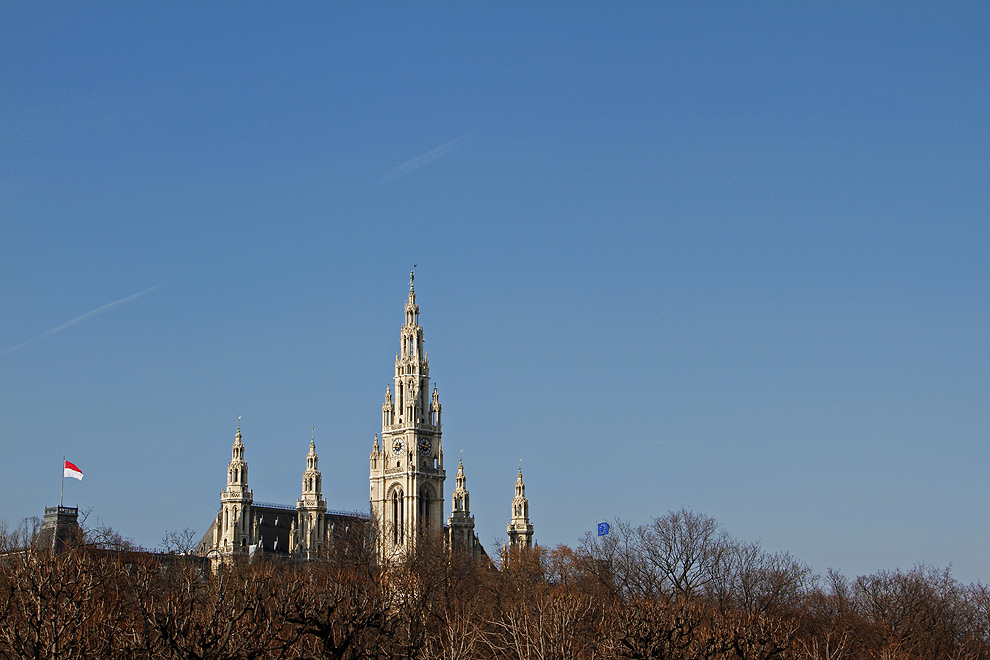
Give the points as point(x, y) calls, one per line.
point(87, 315)
point(433, 154)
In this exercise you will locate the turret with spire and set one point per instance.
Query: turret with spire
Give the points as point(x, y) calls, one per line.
point(460, 525)
point(311, 508)
point(235, 501)
point(520, 529)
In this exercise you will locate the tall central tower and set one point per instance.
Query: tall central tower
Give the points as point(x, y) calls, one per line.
point(407, 472)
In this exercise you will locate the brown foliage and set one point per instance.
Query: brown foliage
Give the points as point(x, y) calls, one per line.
point(621, 598)
point(335, 613)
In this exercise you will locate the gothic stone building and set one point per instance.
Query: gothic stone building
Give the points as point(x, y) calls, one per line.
point(407, 482)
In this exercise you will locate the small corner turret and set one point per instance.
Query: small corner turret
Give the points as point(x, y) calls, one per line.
point(307, 537)
point(233, 533)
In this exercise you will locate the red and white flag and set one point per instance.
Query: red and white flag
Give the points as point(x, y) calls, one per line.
point(71, 470)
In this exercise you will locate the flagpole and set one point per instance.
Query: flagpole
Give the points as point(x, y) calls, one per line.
point(62, 493)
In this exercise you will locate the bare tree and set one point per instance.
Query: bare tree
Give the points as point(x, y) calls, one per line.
point(336, 613)
point(922, 612)
point(553, 624)
point(758, 582)
point(746, 636)
point(830, 646)
point(238, 613)
point(461, 629)
point(619, 563)
point(685, 549)
point(658, 628)
point(181, 543)
point(105, 537)
point(57, 605)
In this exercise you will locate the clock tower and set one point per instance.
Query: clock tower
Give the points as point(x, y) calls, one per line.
point(407, 474)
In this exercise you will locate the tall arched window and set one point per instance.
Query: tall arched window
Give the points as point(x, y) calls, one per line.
point(397, 515)
point(424, 507)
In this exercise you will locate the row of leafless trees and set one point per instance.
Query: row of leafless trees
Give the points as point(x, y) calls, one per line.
point(676, 588)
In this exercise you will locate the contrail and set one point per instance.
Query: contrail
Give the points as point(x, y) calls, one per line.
point(87, 315)
point(433, 154)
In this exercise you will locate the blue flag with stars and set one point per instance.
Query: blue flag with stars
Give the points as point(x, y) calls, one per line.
point(603, 529)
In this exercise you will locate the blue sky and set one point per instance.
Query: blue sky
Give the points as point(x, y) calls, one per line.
point(726, 256)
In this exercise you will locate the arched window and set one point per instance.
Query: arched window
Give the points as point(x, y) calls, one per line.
point(397, 515)
point(424, 506)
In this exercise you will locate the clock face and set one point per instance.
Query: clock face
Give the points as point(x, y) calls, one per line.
point(425, 446)
point(397, 446)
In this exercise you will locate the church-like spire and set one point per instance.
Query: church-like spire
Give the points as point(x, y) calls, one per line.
point(412, 309)
point(520, 529)
point(233, 528)
point(388, 407)
point(435, 408)
point(460, 526)
point(237, 469)
point(311, 507)
point(461, 497)
point(407, 474)
point(311, 477)
point(411, 404)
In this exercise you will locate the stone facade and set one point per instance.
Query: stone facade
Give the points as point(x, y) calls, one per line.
point(243, 526)
point(60, 528)
point(406, 467)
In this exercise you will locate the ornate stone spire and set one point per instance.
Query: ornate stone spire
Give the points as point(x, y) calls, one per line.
point(461, 497)
point(311, 508)
point(435, 408)
point(233, 521)
point(237, 469)
point(388, 407)
point(520, 529)
point(311, 477)
point(412, 309)
point(407, 475)
point(460, 526)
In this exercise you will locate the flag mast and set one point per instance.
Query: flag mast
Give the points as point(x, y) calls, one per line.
point(62, 492)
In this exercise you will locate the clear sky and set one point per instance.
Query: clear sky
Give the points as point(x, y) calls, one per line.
point(727, 256)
